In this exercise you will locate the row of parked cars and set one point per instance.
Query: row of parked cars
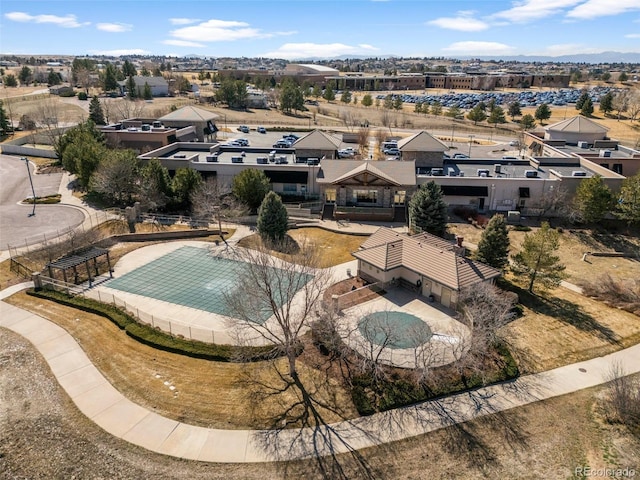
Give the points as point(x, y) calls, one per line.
point(526, 98)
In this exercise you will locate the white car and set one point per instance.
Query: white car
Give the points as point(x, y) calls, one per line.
point(346, 153)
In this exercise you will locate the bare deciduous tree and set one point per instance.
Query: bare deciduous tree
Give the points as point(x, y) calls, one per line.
point(213, 201)
point(363, 139)
point(553, 203)
point(277, 300)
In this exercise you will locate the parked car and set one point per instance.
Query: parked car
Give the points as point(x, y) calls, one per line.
point(291, 137)
point(514, 143)
point(242, 141)
point(391, 151)
point(282, 143)
point(460, 155)
point(243, 129)
point(261, 130)
point(346, 153)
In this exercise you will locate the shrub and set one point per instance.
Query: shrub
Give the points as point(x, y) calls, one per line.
point(82, 96)
point(156, 338)
point(521, 228)
point(69, 93)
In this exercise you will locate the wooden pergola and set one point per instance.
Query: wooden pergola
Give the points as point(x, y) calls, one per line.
point(77, 259)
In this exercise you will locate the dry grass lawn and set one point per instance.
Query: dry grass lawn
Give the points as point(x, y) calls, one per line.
point(206, 393)
point(335, 248)
point(573, 244)
point(563, 327)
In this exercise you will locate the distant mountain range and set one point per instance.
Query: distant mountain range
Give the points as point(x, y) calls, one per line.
point(602, 57)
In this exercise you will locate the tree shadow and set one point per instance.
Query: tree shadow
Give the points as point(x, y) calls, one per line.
point(616, 242)
point(567, 312)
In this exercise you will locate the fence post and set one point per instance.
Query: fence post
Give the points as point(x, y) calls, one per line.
point(190, 336)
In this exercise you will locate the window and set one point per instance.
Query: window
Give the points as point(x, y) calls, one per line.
point(365, 196)
point(330, 195)
point(617, 167)
point(399, 197)
point(290, 188)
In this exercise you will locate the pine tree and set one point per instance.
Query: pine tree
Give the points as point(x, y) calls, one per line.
point(587, 108)
point(428, 210)
point(95, 111)
point(606, 103)
point(132, 91)
point(496, 116)
point(493, 248)
point(593, 199)
point(628, 207)
point(476, 114)
point(147, 95)
point(584, 96)
point(4, 122)
point(272, 218)
point(536, 261)
point(543, 112)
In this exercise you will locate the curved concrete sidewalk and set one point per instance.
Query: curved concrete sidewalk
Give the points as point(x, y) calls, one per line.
point(109, 409)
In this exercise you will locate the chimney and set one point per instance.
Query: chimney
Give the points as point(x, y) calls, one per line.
point(459, 249)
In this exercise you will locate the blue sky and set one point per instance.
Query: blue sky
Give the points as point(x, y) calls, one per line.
point(316, 28)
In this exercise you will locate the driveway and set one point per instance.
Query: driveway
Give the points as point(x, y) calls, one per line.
point(16, 225)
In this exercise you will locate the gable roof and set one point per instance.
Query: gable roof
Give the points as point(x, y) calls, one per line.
point(140, 80)
point(317, 140)
point(190, 114)
point(577, 124)
point(430, 256)
point(421, 142)
point(391, 172)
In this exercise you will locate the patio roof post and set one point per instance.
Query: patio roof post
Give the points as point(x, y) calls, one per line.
point(109, 265)
point(86, 264)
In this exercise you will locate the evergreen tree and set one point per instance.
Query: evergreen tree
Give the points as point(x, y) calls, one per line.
point(476, 114)
point(593, 199)
point(128, 70)
point(25, 75)
point(53, 78)
point(146, 93)
point(184, 183)
point(543, 112)
point(250, 187)
point(155, 185)
point(132, 92)
point(388, 102)
point(496, 116)
point(428, 210)
point(606, 103)
point(83, 155)
point(272, 218)
point(587, 108)
point(397, 103)
point(367, 100)
point(329, 94)
point(584, 96)
point(527, 121)
point(628, 207)
point(317, 92)
point(10, 80)
point(95, 111)
point(493, 248)
point(4, 122)
point(346, 96)
point(536, 260)
point(623, 77)
point(514, 109)
point(454, 112)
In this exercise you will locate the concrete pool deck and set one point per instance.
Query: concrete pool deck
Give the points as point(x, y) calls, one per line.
point(183, 320)
point(448, 340)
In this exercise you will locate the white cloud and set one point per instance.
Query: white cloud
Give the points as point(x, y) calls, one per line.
point(182, 43)
point(114, 27)
point(183, 21)
point(479, 48)
point(462, 22)
point(632, 35)
point(120, 52)
point(528, 10)
point(599, 8)
point(222, 31)
point(320, 50)
point(68, 21)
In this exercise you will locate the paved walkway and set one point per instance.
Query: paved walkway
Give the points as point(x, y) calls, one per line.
point(108, 408)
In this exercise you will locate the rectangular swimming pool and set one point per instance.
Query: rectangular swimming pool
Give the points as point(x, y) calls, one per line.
point(188, 276)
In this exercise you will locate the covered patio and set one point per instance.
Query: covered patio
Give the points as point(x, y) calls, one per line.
point(87, 258)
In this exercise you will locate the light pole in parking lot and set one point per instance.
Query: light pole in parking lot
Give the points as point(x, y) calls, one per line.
point(33, 191)
point(470, 142)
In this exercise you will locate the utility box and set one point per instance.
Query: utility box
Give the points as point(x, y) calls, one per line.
point(513, 216)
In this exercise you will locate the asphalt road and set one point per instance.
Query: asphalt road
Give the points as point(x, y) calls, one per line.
point(15, 223)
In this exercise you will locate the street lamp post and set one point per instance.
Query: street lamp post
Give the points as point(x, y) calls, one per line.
point(470, 142)
point(33, 191)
